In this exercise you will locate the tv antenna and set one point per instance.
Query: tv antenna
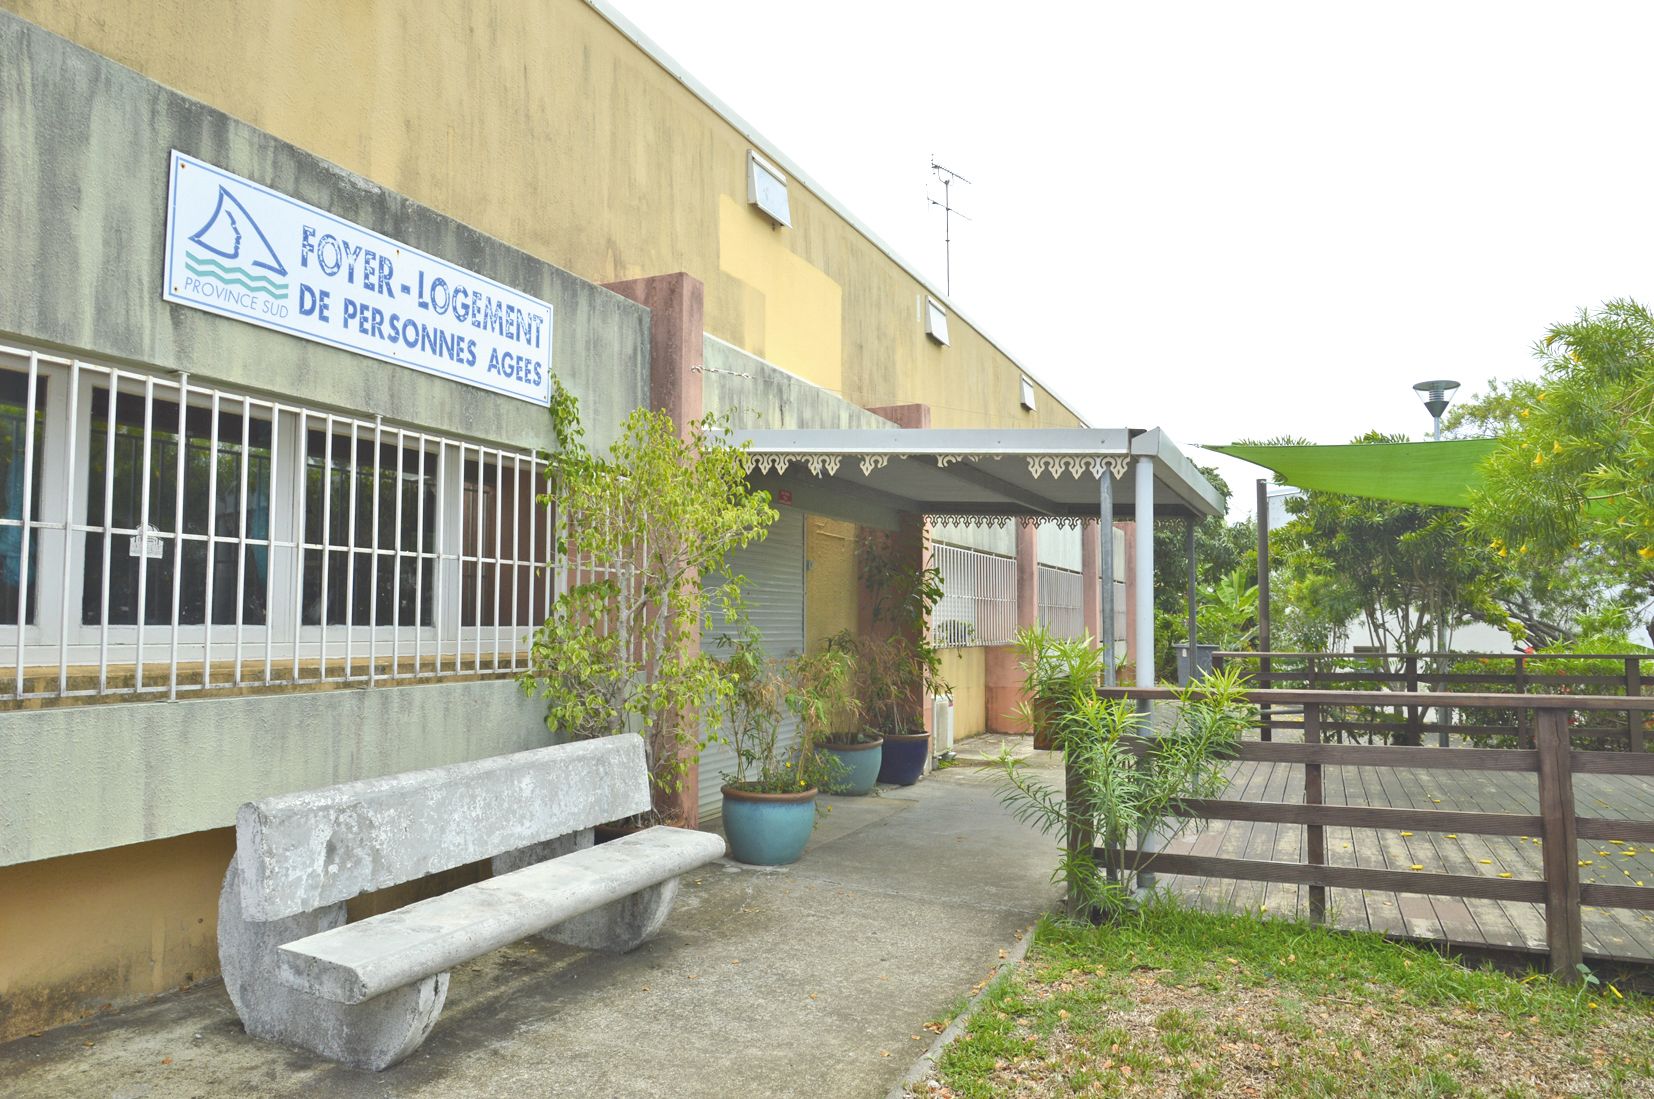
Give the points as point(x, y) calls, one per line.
point(948, 177)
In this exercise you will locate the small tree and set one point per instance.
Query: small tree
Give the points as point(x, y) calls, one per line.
point(637, 529)
point(1124, 783)
point(1569, 486)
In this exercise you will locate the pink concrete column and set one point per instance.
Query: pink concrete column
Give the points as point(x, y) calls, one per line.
point(1090, 588)
point(1027, 575)
point(676, 306)
point(677, 336)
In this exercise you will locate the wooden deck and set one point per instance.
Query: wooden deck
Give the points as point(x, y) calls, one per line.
point(1613, 933)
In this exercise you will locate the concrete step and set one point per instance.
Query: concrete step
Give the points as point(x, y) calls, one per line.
point(361, 960)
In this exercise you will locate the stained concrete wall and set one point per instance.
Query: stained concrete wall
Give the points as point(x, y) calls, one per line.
point(83, 778)
point(549, 127)
point(84, 147)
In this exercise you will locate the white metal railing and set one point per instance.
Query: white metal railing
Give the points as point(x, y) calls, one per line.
point(159, 536)
point(978, 604)
point(1060, 591)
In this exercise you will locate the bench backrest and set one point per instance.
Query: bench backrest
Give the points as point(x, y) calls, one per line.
point(298, 852)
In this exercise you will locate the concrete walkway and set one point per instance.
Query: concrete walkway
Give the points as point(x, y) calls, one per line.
point(815, 979)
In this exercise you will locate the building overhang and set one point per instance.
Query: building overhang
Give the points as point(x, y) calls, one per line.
point(977, 474)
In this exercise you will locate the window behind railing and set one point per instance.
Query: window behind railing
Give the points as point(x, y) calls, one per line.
point(180, 536)
point(978, 604)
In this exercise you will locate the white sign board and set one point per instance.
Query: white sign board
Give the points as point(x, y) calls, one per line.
point(241, 250)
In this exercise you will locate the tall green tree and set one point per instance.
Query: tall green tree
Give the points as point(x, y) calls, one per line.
point(1571, 487)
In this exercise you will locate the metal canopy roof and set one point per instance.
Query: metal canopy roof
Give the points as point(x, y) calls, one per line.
point(1049, 473)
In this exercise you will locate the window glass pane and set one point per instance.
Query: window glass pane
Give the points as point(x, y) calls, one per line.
point(14, 402)
point(400, 595)
point(127, 559)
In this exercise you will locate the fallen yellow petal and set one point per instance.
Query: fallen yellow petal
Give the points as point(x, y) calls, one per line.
point(1416, 866)
point(1505, 874)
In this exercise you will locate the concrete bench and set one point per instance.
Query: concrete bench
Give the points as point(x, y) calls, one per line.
point(367, 993)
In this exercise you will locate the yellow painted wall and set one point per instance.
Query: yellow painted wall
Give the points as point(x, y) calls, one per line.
point(963, 670)
point(542, 125)
point(830, 586)
point(108, 927)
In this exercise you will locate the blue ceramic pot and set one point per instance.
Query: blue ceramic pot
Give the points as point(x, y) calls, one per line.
point(904, 758)
point(861, 763)
point(768, 829)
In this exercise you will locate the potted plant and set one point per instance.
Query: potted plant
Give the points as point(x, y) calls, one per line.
point(636, 528)
point(899, 667)
point(770, 797)
point(1057, 673)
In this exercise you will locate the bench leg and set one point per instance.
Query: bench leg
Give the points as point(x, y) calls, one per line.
point(372, 1035)
point(615, 928)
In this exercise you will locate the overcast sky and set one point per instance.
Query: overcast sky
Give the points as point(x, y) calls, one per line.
point(1228, 220)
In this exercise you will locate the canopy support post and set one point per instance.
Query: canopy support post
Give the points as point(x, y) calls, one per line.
point(1194, 599)
point(1105, 570)
point(1144, 580)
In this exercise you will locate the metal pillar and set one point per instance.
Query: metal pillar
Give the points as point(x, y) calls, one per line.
point(1144, 579)
point(1265, 718)
point(1194, 597)
point(1105, 569)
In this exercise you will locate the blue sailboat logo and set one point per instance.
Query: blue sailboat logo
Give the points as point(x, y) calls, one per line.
point(230, 234)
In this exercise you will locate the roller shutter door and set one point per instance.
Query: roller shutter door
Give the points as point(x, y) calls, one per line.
point(774, 597)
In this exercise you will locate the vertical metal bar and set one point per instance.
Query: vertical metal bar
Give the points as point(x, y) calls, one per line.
point(396, 568)
point(373, 565)
point(1315, 835)
point(27, 512)
point(1415, 714)
point(534, 556)
point(499, 545)
point(69, 449)
point(178, 530)
point(516, 549)
point(108, 529)
point(419, 556)
point(350, 546)
point(301, 450)
point(212, 542)
point(325, 541)
point(438, 608)
point(476, 613)
point(270, 543)
point(1560, 854)
point(241, 534)
point(143, 534)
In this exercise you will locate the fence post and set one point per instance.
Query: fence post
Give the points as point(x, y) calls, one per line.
point(1415, 716)
point(1633, 688)
point(1563, 933)
point(1524, 716)
point(1315, 835)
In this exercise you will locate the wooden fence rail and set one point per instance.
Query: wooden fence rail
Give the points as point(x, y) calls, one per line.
point(1552, 760)
point(1498, 676)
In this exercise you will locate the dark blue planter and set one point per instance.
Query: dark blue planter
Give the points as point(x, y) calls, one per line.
point(861, 764)
point(768, 829)
point(904, 758)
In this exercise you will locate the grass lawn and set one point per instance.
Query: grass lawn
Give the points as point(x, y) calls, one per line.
point(1179, 1003)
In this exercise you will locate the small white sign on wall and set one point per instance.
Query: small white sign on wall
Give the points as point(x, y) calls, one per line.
point(242, 250)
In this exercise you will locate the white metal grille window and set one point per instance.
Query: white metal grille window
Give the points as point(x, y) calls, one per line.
point(979, 596)
point(1060, 591)
point(176, 536)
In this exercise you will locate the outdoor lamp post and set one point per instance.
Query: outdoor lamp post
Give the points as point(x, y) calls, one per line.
point(1437, 395)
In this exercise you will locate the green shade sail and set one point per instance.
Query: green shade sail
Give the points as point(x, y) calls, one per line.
point(1438, 474)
